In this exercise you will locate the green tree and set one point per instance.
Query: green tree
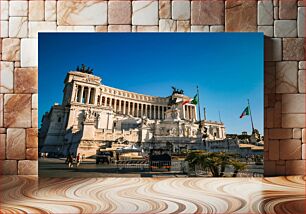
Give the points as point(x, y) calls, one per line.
point(225, 158)
point(211, 161)
point(238, 166)
point(192, 159)
point(215, 162)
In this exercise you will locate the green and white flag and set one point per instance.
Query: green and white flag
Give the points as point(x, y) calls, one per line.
point(245, 112)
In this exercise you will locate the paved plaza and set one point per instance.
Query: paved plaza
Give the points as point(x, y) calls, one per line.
point(52, 167)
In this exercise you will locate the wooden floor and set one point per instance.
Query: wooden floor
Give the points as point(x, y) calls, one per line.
point(139, 195)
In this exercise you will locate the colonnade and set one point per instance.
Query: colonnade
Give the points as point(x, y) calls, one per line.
point(133, 108)
point(88, 95)
point(189, 112)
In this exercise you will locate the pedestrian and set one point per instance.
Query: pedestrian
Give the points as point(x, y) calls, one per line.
point(67, 158)
point(70, 161)
point(78, 159)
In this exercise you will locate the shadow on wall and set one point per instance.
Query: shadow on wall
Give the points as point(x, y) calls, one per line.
point(272, 101)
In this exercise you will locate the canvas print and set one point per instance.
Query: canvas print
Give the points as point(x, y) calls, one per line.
point(151, 105)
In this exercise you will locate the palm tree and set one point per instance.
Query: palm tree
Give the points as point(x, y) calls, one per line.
point(206, 160)
point(224, 162)
point(238, 166)
point(215, 162)
point(192, 159)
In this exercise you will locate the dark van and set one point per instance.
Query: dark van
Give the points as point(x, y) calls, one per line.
point(159, 159)
point(104, 156)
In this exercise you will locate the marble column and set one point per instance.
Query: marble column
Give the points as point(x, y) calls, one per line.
point(137, 109)
point(88, 95)
point(129, 108)
point(77, 96)
point(110, 102)
point(124, 107)
point(74, 92)
point(105, 101)
point(95, 96)
point(120, 103)
point(195, 113)
point(133, 109)
point(192, 112)
point(163, 113)
point(115, 103)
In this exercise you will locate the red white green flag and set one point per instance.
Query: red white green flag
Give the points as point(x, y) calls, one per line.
point(245, 112)
point(194, 101)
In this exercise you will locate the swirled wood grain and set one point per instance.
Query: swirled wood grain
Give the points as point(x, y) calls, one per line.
point(26, 194)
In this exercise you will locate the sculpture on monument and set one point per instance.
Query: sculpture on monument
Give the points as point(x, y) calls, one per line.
point(177, 91)
point(84, 69)
point(89, 114)
point(174, 101)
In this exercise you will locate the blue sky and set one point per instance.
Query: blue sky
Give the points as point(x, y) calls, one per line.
point(227, 67)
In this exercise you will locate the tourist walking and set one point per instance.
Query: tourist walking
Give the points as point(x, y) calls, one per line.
point(70, 161)
point(67, 158)
point(78, 159)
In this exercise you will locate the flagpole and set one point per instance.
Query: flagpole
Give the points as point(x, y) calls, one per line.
point(199, 108)
point(204, 113)
point(251, 116)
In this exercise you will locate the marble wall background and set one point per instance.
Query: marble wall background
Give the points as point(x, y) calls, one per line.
point(282, 21)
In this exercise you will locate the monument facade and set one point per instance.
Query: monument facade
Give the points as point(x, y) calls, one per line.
point(93, 115)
